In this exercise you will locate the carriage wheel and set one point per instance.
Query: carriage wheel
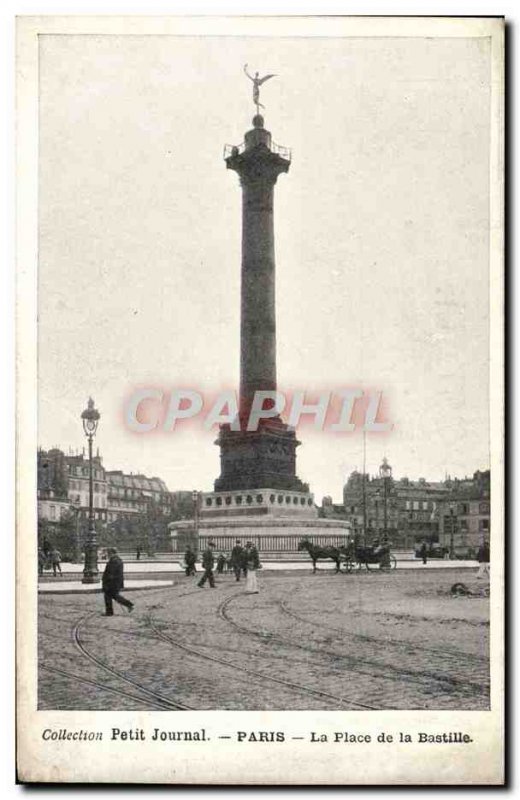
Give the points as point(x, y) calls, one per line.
point(370, 566)
point(348, 565)
point(392, 564)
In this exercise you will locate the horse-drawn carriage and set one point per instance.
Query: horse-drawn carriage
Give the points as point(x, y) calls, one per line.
point(351, 557)
point(370, 557)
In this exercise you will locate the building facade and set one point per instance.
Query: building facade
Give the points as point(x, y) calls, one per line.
point(52, 508)
point(133, 504)
point(453, 513)
point(78, 486)
point(465, 517)
point(130, 494)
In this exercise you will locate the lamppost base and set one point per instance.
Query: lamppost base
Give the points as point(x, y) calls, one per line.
point(94, 578)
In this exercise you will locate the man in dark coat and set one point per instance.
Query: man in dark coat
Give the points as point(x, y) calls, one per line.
point(423, 552)
point(483, 553)
point(113, 583)
point(190, 560)
point(55, 557)
point(208, 562)
point(483, 558)
point(236, 559)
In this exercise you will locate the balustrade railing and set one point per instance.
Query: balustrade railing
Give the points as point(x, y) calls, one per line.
point(237, 149)
point(266, 543)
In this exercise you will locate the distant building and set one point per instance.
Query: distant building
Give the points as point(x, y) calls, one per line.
point(129, 494)
point(331, 510)
point(417, 510)
point(52, 508)
point(63, 486)
point(464, 520)
point(78, 485)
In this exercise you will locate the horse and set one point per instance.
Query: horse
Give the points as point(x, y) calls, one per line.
point(317, 552)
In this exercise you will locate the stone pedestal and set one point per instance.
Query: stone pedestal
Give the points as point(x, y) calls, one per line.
point(266, 457)
point(275, 521)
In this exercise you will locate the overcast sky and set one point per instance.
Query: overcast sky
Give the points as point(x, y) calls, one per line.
point(381, 240)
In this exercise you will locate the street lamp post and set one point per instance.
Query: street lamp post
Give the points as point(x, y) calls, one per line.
point(195, 498)
point(77, 543)
point(90, 419)
point(452, 530)
point(385, 472)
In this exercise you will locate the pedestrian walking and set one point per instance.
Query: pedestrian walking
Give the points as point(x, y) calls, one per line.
point(190, 561)
point(41, 561)
point(243, 561)
point(138, 552)
point(423, 552)
point(208, 562)
point(56, 561)
point(236, 559)
point(483, 559)
point(113, 582)
point(221, 563)
point(253, 563)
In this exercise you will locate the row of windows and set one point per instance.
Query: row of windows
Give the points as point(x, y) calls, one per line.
point(96, 473)
point(57, 512)
point(119, 491)
point(467, 508)
point(99, 501)
point(259, 499)
point(462, 524)
point(427, 505)
point(98, 487)
point(417, 505)
point(131, 506)
point(97, 514)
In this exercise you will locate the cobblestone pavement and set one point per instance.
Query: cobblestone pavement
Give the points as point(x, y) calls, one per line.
point(367, 640)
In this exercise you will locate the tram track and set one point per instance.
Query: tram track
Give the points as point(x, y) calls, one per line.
point(407, 646)
point(164, 702)
point(296, 687)
point(361, 666)
point(103, 687)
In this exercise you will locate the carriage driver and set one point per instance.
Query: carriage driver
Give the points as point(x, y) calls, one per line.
point(384, 551)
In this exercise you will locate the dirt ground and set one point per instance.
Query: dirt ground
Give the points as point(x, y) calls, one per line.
point(324, 641)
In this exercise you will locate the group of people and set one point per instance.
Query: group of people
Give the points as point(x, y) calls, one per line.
point(49, 557)
point(244, 561)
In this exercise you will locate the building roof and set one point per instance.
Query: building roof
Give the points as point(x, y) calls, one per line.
point(119, 478)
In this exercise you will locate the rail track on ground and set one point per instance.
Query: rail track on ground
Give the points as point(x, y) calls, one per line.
point(361, 665)
point(165, 703)
point(104, 687)
point(407, 646)
point(263, 676)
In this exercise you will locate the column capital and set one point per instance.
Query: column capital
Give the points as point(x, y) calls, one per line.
point(258, 165)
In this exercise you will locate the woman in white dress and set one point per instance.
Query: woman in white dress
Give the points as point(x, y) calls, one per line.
point(253, 563)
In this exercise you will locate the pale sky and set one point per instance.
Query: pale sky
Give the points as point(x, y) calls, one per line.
point(381, 240)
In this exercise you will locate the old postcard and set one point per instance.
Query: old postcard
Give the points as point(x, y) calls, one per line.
point(260, 400)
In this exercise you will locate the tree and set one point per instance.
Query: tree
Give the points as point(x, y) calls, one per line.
point(61, 534)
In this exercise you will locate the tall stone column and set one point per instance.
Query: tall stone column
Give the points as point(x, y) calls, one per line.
point(266, 457)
